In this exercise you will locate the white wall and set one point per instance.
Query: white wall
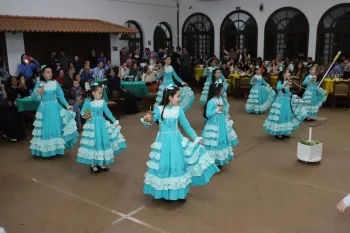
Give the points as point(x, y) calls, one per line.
point(218, 10)
point(148, 13)
point(15, 49)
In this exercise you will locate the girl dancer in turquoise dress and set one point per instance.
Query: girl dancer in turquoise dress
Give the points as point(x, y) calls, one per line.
point(55, 129)
point(209, 73)
point(281, 120)
point(100, 140)
point(175, 163)
point(261, 94)
point(218, 139)
point(187, 95)
point(312, 94)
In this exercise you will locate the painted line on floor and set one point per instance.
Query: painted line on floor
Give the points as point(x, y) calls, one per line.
point(77, 197)
point(296, 182)
point(128, 215)
point(123, 216)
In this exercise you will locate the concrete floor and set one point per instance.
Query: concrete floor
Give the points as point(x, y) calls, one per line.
point(265, 189)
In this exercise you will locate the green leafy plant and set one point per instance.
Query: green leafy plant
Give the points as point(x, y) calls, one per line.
point(309, 143)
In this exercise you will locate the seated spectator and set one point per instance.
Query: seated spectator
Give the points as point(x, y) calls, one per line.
point(108, 65)
point(60, 77)
point(71, 66)
point(10, 121)
point(3, 73)
point(124, 71)
point(101, 58)
point(149, 77)
point(16, 89)
point(137, 57)
point(77, 94)
point(116, 92)
point(338, 68)
point(346, 74)
point(98, 72)
point(68, 80)
point(87, 63)
point(133, 74)
point(86, 76)
point(77, 64)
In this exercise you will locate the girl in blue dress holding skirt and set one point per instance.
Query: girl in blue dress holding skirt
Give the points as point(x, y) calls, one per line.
point(312, 94)
point(187, 95)
point(285, 117)
point(261, 94)
point(55, 129)
point(101, 140)
point(217, 138)
point(211, 72)
point(175, 163)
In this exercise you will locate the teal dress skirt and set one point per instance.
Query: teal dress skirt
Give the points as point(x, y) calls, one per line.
point(285, 115)
point(186, 93)
point(260, 97)
point(317, 96)
point(218, 135)
point(101, 140)
point(176, 163)
point(55, 128)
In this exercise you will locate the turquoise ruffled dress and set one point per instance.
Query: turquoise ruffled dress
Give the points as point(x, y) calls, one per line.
point(208, 82)
point(101, 140)
point(55, 129)
point(281, 120)
point(261, 96)
point(186, 93)
point(175, 163)
point(315, 95)
point(218, 135)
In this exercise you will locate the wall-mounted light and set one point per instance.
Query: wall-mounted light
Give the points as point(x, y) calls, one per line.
point(190, 7)
point(261, 7)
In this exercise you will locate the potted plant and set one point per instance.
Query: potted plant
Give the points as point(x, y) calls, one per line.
point(309, 150)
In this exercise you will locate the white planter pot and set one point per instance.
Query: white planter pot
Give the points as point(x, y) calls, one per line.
point(310, 154)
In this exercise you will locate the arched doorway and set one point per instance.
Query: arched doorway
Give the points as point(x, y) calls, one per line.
point(135, 40)
point(333, 33)
point(198, 35)
point(239, 30)
point(162, 37)
point(286, 34)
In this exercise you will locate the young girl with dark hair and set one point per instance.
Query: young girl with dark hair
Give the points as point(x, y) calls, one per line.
point(284, 116)
point(187, 95)
point(55, 129)
point(316, 95)
point(211, 73)
point(261, 94)
point(175, 163)
point(101, 140)
point(218, 138)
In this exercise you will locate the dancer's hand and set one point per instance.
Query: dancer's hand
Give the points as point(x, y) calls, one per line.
point(87, 116)
point(148, 117)
point(208, 71)
point(40, 90)
point(220, 108)
point(200, 142)
point(69, 107)
point(116, 123)
point(341, 206)
point(184, 84)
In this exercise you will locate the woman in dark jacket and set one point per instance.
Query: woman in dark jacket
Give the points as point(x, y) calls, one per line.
point(116, 92)
point(10, 121)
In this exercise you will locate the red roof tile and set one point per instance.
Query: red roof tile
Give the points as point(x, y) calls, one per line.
point(16, 23)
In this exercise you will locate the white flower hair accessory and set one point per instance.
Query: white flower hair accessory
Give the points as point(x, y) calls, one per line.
point(94, 84)
point(217, 82)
